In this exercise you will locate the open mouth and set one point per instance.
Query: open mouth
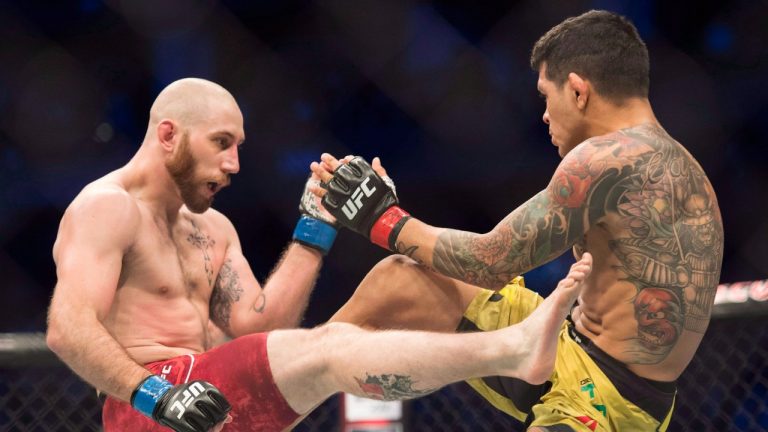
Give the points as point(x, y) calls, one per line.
point(213, 187)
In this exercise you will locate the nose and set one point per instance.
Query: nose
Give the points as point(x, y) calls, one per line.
point(545, 117)
point(231, 163)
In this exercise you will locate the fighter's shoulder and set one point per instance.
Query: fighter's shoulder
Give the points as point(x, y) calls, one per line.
point(618, 150)
point(102, 215)
point(104, 201)
point(219, 221)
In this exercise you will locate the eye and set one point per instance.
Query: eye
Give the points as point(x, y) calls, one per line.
point(223, 142)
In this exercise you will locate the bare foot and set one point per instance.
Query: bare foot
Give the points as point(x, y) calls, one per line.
point(539, 332)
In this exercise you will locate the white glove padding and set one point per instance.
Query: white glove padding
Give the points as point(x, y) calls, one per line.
point(391, 183)
point(311, 204)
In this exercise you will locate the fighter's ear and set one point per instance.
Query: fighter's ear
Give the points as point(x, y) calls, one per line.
point(580, 89)
point(167, 133)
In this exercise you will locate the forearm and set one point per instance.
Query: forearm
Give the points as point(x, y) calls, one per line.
point(417, 240)
point(89, 350)
point(286, 291)
point(538, 231)
point(478, 259)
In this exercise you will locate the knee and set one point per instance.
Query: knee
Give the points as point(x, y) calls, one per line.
point(388, 294)
point(394, 271)
point(389, 280)
point(393, 280)
point(394, 263)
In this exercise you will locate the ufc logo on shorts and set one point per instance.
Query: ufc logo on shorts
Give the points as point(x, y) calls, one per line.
point(195, 390)
point(355, 202)
point(166, 370)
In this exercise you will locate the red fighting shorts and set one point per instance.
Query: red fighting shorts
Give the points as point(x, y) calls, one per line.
point(240, 369)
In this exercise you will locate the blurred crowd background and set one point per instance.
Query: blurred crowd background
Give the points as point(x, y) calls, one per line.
point(440, 90)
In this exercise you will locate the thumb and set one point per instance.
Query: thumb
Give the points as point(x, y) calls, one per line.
point(220, 426)
point(376, 165)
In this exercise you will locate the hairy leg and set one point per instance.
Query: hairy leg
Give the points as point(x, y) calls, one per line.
point(310, 365)
point(399, 293)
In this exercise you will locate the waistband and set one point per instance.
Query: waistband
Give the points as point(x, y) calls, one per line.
point(654, 397)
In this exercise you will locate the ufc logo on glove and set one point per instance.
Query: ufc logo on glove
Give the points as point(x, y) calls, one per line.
point(355, 203)
point(380, 218)
point(200, 405)
point(189, 395)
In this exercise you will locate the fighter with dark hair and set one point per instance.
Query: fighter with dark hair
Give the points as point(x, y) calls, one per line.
point(625, 191)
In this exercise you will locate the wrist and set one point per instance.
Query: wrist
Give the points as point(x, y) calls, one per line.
point(387, 227)
point(315, 233)
point(148, 393)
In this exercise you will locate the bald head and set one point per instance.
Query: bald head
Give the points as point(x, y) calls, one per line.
point(195, 129)
point(188, 102)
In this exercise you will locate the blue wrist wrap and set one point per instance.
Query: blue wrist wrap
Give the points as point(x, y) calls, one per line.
point(148, 393)
point(314, 233)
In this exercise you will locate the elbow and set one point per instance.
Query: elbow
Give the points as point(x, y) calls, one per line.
point(287, 324)
point(217, 335)
point(54, 338)
point(235, 327)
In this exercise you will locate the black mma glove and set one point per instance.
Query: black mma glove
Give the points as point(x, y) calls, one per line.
point(364, 202)
point(192, 407)
point(316, 227)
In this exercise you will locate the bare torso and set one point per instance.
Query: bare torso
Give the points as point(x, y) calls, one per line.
point(657, 255)
point(161, 306)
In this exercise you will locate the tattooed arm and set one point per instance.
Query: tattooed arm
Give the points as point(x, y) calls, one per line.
point(241, 305)
point(533, 234)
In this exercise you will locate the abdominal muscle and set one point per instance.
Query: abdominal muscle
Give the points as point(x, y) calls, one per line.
point(157, 327)
point(606, 316)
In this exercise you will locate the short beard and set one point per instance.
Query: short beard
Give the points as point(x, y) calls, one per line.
point(181, 166)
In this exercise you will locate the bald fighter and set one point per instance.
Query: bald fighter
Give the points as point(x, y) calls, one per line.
point(625, 191)
point(144, 264)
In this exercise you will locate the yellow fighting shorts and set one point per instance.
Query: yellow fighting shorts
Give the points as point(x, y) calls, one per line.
point(588, 391)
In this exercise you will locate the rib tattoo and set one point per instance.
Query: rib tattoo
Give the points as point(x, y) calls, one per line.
point(205, 243)
point(226, 292)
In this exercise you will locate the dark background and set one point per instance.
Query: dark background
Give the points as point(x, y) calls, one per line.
point(441, 90)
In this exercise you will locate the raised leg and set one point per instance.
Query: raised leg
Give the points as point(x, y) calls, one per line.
point(311, 365)
point(399, 293)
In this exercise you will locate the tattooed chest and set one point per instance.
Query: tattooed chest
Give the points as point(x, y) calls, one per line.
point(201, 257)
point(181, 261)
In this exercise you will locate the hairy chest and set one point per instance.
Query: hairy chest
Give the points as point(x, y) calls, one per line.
point(175, 260)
